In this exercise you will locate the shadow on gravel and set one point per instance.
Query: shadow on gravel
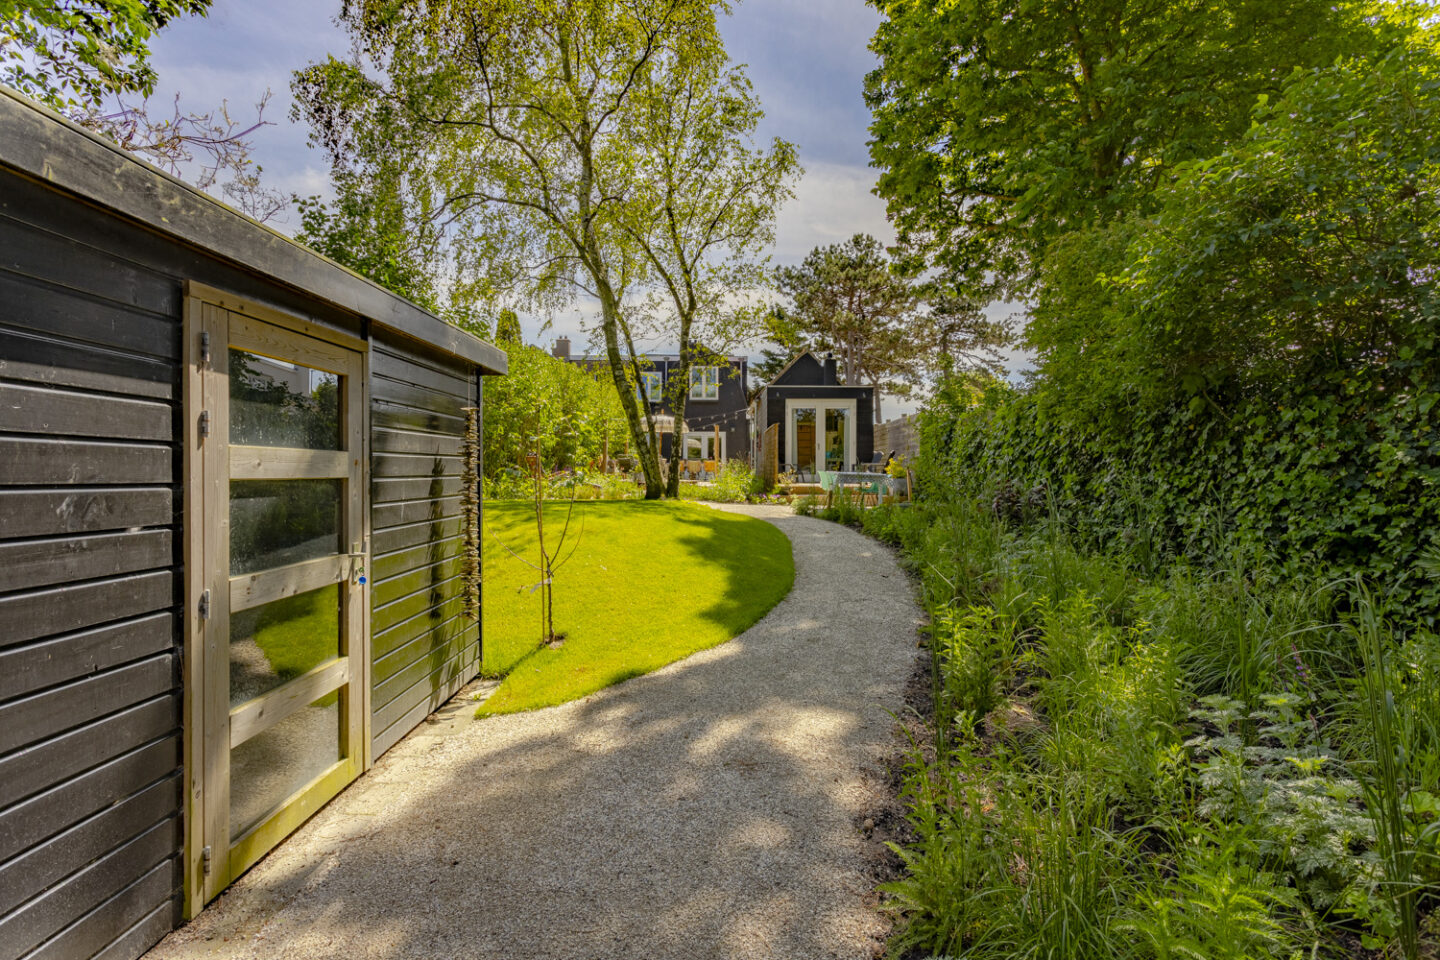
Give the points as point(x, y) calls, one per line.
point(705, 811)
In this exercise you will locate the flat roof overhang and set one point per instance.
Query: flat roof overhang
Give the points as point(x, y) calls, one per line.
point(40, 144)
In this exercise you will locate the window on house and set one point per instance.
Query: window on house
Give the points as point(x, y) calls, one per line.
point(704, 383)
point(651, 387)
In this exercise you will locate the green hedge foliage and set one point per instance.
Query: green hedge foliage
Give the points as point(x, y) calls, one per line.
point(1331, 475)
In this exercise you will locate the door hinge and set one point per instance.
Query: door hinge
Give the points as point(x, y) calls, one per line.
point(205, 860)
point(204, 348)
point(204, 423)
point(205, 605)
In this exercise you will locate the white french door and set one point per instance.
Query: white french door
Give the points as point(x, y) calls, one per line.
point(820, 434)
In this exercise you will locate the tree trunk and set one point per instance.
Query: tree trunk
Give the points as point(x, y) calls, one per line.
point(677, 408)
point(646, 452)
point(646, 446)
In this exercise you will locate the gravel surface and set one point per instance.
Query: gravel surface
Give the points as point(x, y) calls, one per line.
point(713, 809)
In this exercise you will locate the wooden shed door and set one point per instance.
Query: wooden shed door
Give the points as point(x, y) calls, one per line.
point(279, 677)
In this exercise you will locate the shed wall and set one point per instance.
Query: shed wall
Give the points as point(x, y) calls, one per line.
point(91, 558)
point(864, 398)
point(423, 648)
point(89, 547)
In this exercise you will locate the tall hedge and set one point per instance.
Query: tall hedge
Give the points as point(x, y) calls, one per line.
point(1328, 475)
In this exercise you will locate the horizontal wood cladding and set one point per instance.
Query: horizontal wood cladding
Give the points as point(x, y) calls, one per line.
point(56, 361)
point(39, 563)
point(421, 650)
point(34, 666)
point(395, 587)
point(42, 715)
point(417, 488)
point(426, 554)
point(45, 814)
point(38, 513)
point(404, 668)
point(46, 462)
point(34, 409)
point(415, 534)
point(384, 466)
point(62, 904)
point(394, 416)
point(426, 695)
point(417, 627)
point(415, 511)
point(26, 616)
point(34, 769)
point(133, 905)
point(90, 762)
point(41, 308)
point(87, 841)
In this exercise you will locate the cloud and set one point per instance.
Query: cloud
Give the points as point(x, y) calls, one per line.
point(832, 203)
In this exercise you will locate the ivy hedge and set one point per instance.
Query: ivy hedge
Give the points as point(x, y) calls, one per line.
point(1332, 474)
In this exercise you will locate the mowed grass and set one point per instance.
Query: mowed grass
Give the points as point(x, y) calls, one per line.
point(650, 583)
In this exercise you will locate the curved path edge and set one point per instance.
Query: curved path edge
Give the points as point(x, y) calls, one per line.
point(710, 809)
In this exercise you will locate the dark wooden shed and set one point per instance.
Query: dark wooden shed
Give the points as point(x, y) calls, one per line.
point(821, 424)
point(231, 537)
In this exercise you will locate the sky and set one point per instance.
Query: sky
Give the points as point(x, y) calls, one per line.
point(807, 60)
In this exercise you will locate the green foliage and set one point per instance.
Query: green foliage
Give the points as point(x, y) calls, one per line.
point(591, 148)
point(1085, 797)
point(1001, 126)
point(72, 54)
point(973, 647)
point(560, 411)
point(1334, 477)
point(734, 482)
point(1305, 248)
point(845, 298)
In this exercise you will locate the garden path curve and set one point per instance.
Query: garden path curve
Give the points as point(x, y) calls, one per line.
point(711, 809)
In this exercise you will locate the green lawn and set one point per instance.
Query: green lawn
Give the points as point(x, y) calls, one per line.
point(650, 583)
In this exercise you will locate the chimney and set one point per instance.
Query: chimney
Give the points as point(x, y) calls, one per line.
point(829, 379)
point(561, 350)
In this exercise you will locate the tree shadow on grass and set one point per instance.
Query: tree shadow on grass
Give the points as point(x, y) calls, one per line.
point(717, 588)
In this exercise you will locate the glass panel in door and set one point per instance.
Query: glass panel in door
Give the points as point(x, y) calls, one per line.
point(837, 438)
point(277, 403)
point(804, 433)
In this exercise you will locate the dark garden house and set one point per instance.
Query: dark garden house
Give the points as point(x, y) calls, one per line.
point(237, 551)
point(820, 423)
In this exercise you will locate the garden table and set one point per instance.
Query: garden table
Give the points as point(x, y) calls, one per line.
point(867, 481)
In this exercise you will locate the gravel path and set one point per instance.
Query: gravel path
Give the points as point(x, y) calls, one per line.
point(712, 809)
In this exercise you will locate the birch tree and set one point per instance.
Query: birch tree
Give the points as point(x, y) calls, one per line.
point(522, 120)
point(703, 212)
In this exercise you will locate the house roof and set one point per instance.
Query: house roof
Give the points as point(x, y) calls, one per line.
point(44, 146)
point(794, 360)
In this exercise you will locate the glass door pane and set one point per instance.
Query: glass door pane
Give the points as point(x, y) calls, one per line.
point(804, 433)
point(277, 403)
point(273, 765)
point(837, 450)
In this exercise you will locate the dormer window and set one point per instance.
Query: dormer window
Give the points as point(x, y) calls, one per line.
point(704, 383)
